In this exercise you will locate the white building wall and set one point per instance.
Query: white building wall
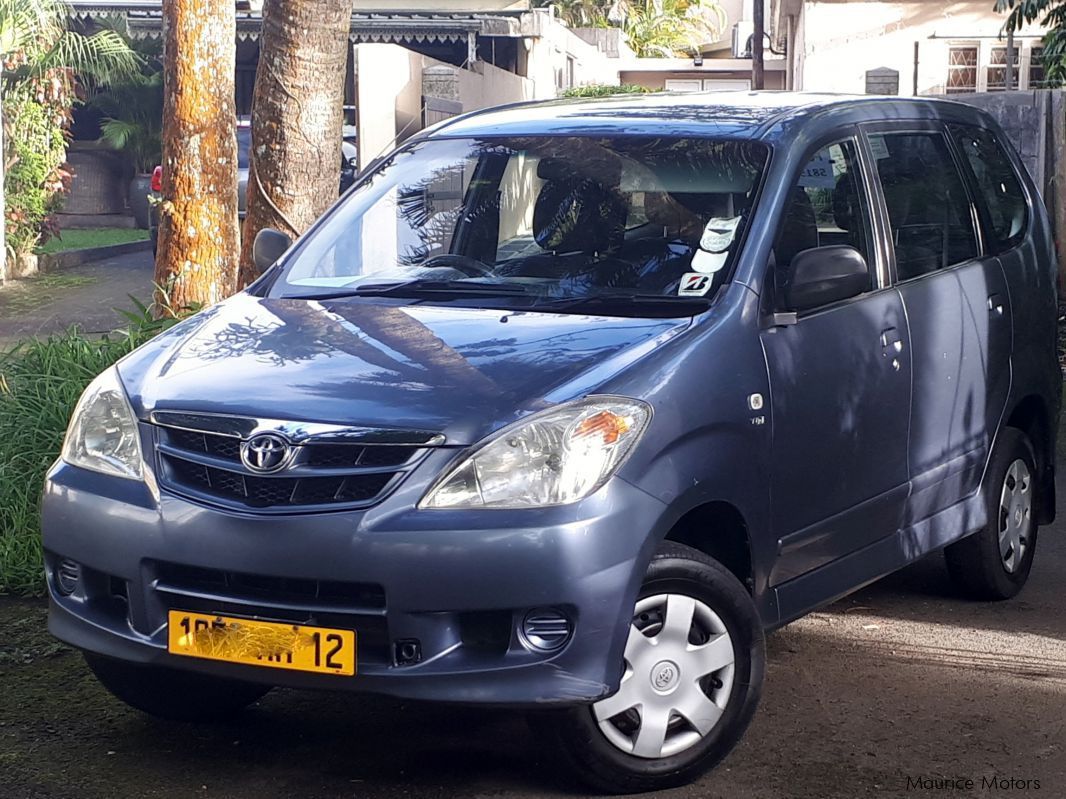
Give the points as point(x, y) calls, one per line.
point(557, 59)
point(838, 42)
point(486, 85)
point(389, 93)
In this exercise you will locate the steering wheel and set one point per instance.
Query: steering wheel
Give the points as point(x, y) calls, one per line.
point(471, 267)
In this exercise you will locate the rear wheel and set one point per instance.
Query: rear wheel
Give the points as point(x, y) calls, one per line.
point(995, 562)
point(172, 694)
point(692, 677)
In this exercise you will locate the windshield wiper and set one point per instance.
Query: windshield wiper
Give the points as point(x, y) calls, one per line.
point(415, 288)
point(676, 306)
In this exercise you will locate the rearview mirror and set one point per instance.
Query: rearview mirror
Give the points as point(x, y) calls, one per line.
point(269, 245)
point(824, 275)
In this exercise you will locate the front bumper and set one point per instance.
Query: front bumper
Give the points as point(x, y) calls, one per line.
point(457, 582)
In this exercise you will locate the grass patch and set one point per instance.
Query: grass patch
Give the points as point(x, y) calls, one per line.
point(40, 382)
point(91, 237)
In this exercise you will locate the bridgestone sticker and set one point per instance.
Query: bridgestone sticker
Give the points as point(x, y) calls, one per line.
point(694, 284)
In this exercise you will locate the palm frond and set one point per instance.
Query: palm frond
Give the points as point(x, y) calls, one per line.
point(117, 133)
point(102, 57)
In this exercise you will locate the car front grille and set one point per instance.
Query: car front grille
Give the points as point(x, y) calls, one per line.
point(341, 605)
point(283, 592)
point(334, 469)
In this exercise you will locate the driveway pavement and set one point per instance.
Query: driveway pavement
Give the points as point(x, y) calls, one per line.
point(86, 296)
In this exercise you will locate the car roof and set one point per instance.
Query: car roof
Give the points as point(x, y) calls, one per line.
point(736, 115)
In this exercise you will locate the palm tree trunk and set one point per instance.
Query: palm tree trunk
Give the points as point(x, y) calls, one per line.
point(197, 260)
point(297, 111)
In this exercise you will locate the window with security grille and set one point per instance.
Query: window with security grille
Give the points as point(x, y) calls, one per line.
point(962, 69)
point(1037, 75)
point(997, 69)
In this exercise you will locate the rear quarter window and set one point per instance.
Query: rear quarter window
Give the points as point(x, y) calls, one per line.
point(1006, 210)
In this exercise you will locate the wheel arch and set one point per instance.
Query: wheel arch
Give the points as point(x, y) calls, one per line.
point(718, 529)
point(1031, 416)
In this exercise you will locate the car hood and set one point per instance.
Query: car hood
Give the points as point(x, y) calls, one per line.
point(462, 372)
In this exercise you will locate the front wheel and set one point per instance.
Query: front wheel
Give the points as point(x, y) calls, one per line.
point(693, 672)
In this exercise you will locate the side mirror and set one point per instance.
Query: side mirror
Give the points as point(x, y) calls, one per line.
point(269, 245)
point(824, 275)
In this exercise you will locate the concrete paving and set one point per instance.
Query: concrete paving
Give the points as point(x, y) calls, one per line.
point(86, 296)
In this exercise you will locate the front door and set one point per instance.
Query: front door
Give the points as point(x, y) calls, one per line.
point(840, 384)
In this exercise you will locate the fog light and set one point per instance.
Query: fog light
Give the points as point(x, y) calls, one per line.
point(408, 651)
point(68, 573)
point(546, 630)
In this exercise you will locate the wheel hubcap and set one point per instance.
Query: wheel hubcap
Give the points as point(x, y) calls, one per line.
point(679, 665)
point(664, 677)
point(1015, 515)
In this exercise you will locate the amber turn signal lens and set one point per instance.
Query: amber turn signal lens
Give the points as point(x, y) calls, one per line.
point(607, 425)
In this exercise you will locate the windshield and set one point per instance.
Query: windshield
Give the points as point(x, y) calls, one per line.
point(538, 221)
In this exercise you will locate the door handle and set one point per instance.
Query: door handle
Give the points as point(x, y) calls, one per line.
point(995, 304)
point(891, 341)
point(892, 346)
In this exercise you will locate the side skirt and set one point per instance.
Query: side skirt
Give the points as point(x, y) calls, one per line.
point(857, 570)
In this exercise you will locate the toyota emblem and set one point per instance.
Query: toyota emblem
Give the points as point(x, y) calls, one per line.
point(266, 453)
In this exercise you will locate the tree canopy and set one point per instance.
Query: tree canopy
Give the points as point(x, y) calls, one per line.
point(44, 64)
point(1051, 14)
point(653, 28)
point(37, 44)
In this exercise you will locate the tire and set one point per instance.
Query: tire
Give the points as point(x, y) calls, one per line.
point(603, 748)
point(987, 565)
point(172, 694)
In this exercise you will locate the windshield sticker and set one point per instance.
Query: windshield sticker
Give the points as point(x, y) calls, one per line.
point(694, 284)
point(819, 173)
point(708, 262)
point(719, 233)
point(879, 147)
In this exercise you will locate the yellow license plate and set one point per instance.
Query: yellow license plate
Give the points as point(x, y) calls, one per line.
point(261, 643)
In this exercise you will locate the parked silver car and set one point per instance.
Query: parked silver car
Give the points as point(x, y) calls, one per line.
point(349, 168)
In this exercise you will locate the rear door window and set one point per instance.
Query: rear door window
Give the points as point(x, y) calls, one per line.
point(928, 207)
point(1005, 207)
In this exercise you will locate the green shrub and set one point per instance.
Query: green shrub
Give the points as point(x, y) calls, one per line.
point(35, 180)
point(600, 90)
point(40, 382)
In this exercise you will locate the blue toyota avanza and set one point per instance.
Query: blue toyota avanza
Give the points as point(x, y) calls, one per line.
point(562, 406)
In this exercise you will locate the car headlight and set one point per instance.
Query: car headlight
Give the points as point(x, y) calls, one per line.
point(102, 435)
point(551, 458)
